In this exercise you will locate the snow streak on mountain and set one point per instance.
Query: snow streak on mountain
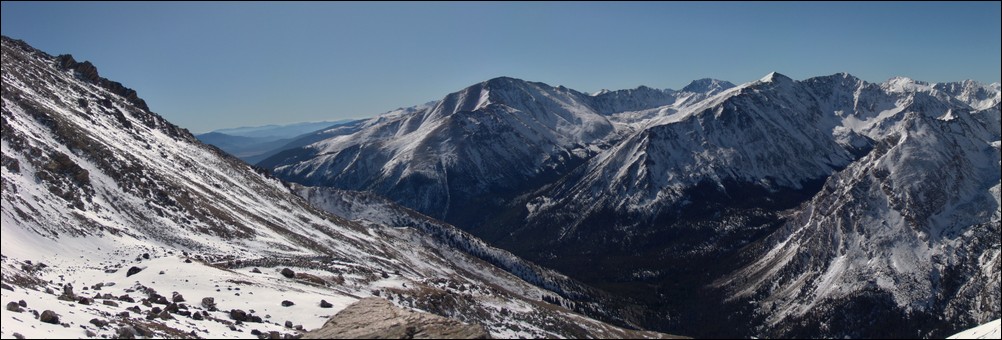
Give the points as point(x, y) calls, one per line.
point(113, 215)
point(779, 202)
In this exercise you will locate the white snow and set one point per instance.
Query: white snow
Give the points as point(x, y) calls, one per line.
point(262, 293)
point(771, 76)
point(990, 330)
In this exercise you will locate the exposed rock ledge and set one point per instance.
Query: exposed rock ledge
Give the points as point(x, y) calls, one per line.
point(375, 318)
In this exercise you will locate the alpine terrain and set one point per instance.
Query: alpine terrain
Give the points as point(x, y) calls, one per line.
point(825, 207)
point(116, 223)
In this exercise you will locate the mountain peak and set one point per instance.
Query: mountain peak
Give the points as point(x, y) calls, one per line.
point(846, 75)
point(600, 92)
point(900, 80)
point(971, 83)
point(843, 78)
point(774, 77)
point(502, 81)
point(706, 85)
point(905, 84)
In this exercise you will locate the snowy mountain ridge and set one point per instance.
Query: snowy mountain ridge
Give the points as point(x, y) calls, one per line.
point(685, 178)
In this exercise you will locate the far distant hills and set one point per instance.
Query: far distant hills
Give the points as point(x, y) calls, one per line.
point(254, 143)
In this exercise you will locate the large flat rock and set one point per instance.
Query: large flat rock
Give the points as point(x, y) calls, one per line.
point(374, 318)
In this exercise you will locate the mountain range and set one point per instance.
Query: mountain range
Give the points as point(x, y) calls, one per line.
point(824, 207)
point(780, 203)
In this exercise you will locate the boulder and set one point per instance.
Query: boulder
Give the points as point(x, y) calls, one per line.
point(98, 322)
point(209, 304)
point(68, 294)
point(49, 316)
point(133, 271)
point(126, 332)
point(159, 299)
point(238, 315)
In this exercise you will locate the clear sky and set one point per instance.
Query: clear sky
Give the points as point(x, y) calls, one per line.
point(206, 66)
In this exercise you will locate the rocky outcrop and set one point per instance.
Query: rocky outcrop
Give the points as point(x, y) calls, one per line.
point(374, 318)
point(88, 72)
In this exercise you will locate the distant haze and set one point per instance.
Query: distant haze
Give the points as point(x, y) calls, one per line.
point(278, 131)
point(207, 66)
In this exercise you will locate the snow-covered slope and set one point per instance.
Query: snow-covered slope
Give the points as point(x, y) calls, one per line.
point(95, 184)
point(991, 330)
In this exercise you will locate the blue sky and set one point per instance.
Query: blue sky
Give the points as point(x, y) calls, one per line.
point(206, 66)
